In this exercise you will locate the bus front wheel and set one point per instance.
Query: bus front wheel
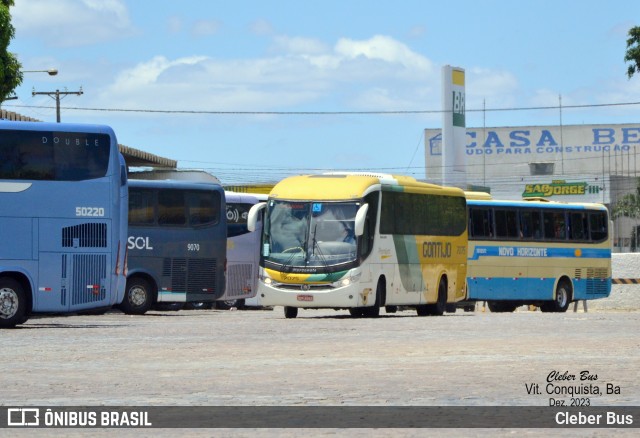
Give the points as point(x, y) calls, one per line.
point(138, 297)
point(13, 303)
point(290, 312)
point(374, 311)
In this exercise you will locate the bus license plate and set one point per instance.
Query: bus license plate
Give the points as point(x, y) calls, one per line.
point(305, 297)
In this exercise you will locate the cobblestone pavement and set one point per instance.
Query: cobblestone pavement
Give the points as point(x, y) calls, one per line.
point(323, 357)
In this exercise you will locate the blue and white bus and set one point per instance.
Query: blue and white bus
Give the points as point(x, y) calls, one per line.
point(537, 252)
point(63, 219)
point(243, 252)
point(177, 243)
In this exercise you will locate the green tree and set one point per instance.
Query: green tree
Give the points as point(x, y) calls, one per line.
point(629, 206)
point(10, 67)
point(633, 51)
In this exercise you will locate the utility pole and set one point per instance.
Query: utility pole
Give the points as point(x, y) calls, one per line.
point(56, 95)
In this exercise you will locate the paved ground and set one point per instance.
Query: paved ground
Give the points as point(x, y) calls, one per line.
point(231, 358)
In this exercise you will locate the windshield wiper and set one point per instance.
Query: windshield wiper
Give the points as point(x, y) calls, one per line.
point(314, 245)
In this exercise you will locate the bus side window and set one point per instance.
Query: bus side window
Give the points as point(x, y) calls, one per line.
point(555, 227)
point(578, 226)
point(506, 224)
point(202, 208)
point(141, 207)
point(171, 208)
point(598, 226)
point(530, 224)
point(526, 224)
point(480, 223)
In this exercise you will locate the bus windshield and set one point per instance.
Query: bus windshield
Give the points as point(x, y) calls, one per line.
point(310, 234)
point(53, 156)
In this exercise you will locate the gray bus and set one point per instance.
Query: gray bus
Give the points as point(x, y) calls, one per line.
point(177, 243)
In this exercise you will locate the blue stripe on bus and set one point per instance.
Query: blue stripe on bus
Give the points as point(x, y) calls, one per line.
point(538, 252)
point(496, 288)
point(522, 288)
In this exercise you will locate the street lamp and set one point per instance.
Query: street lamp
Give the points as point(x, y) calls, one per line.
point(50, 72)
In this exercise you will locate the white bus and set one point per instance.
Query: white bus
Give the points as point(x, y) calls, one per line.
point(362, 241)
point(243, 252)
point(537, 252)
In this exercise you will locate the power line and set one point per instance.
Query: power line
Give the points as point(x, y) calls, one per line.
point(329, 113)
point(55, 95)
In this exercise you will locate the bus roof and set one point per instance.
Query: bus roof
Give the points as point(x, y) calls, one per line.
point(477, 195)
point(545, 204)
point(174, 184)
point(244, 198)
point(351, 185)
point(56, 127)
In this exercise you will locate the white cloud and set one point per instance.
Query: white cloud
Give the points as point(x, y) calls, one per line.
point(496, 88)
point(379, 73)
point(205, 27)
point(299, 45)
point(261, 27)
point(66, 23)
point(383, 48)
point(174, 24)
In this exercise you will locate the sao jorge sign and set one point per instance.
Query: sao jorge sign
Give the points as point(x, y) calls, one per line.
point(558, 188)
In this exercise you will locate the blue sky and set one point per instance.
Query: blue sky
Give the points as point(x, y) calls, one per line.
point(212, 58)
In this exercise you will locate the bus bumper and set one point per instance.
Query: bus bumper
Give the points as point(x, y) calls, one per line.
point(355, 295)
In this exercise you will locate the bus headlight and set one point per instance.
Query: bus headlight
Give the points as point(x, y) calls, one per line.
point(348, 280)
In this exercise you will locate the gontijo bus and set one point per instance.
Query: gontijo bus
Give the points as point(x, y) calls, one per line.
point(63, 223)
point(362, 241)
point(537, 252)
point(177, 243)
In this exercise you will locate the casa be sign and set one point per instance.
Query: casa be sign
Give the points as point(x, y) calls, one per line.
point(576, 140)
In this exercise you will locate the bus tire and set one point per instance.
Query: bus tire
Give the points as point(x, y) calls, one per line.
point(562, 300)
point(138, 297)
point(391, 309)
point(290, 312)
point(198, 305)
point(501, 306)
point(168, 306)
point(451, 308)
point(374, 311)
point(13, 303)
point(229, 304)
point(438, 308)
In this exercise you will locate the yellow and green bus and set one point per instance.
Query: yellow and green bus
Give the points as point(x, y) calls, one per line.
point(537, 252)
point(362, 241)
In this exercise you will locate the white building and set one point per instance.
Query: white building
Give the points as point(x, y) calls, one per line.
point(579, 163)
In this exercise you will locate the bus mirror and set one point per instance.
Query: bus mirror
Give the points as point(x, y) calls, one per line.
point(254, 213)
point(360, 217)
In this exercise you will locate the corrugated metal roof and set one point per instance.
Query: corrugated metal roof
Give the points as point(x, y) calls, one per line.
point(137, 158)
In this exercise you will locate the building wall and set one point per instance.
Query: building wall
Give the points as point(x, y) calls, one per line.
point(573, 163)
